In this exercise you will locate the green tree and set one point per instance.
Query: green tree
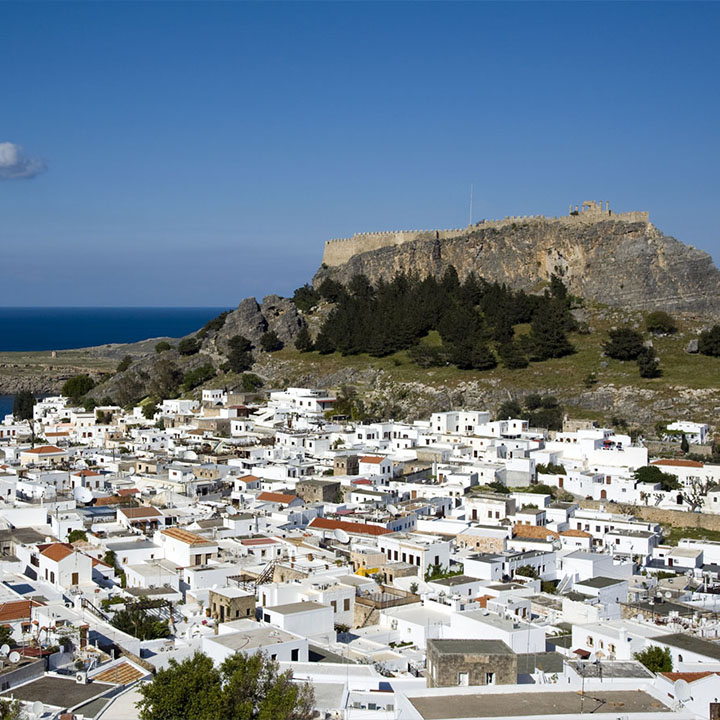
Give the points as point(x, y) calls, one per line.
point(190, 690)
point(136, 620)
point(239, 356)
point(660, 323)
point(23, 404)
point(270, 342)
point(249, 382)
point(684, 445)
point(548, 332)
point(306, 298)
point(648, 363)
point(149, 409)
point(189, 346)
point(509, 409)
point(653, 474)
point(623, 344)
point(512, 356)
point(78, 386)
point(89, 404)
point(124, 364)
point(709, 341)
point(5, 635)
point(527, 571)
point(198, 376)
point(163, 346)
point(303, 341)
point(331, 290)
point(244, 687)
point(655, 659)
point(11, 709)
point(75, 535)
point(482, 357)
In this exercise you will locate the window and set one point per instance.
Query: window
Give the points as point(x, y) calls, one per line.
point(346, 604)
point(589, 642)
point(463, 679)
point(295, 655)
point(490, 678)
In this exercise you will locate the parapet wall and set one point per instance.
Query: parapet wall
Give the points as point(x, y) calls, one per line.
point(340, 250)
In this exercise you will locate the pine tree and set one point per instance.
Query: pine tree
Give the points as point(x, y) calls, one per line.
point(512, 356)
point(482, 357)
point(303, 341)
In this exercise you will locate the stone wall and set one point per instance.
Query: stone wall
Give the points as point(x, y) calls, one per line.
point(444, 667)
point(339, 250)
point(674, 518)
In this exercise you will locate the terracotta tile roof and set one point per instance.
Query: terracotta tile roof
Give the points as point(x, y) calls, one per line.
point(56, 551)
point(276, 497)
point(361, 481)
point(86, 473)
point(140, 512)
point(185, 536)
point(45, 450)
point(678, 463)
point(57, 434)
point(688, 676)
point(122, 674)
point(534, 532)
point(258, 541)
point(576, 533)
point(17, 610)
point(110, 500)
point(349, 527)
point(371, 459)
point(249, 478)
point(125, 492)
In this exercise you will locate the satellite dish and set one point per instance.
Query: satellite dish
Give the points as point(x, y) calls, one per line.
point(48, 539)
point(82, 494)
point(592, 657)
point(37, 708)
point(682, 690)
point(14, 657)
point(4, 650)
point(393, 510)
point(668, 595)
point(131, 471)
point(230, 510)
point(190, 455)
point(341, 536)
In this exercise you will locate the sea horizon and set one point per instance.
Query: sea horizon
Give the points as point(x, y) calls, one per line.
point(38, 328)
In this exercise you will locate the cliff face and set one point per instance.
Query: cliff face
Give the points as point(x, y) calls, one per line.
point(618, 262)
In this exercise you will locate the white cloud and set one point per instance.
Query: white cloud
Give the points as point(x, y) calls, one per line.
point(15, 165)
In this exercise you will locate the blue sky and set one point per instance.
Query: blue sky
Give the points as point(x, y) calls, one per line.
point(197, 153)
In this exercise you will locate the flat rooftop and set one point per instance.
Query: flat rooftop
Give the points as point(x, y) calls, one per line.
point(250, 639)
point(531, 704)
point(470, 647)
point(61, 692)
point(297, 607)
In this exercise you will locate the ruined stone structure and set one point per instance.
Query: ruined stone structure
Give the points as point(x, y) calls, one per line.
point(614, 258)
point(453, 663)
point(340, 250)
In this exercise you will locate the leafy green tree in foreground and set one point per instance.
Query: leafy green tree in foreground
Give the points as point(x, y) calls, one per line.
point(244, 687)
point(624, 344)
point(656, 659)
point(137, 621)
point(653, 474)
point(709, 341)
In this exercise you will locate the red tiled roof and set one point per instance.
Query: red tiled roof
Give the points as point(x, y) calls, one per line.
point(185, 536)
point(371, 459)
point(56, 551)
point(361, 481)
point(45, 450)
point(109, 500)
point(249, 478)
point(86, 473)
point(688, 676)
point(258, 541)
point(140, 512)
point(678, 463)
point(576, 533)
point(17, 610)
point(276, 497)
point(124, 492)
point(350, 527)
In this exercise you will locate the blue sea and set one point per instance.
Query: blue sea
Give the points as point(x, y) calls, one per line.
point(64, 328)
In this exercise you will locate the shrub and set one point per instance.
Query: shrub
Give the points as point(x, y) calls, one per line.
point(648, 364)
point(250, 382)
point(270, 342)
point(188, 346)
point(624, 344)
point(306, 298)
point(23, 404)
point(77, 386)
point(660, 322)
point(124, 364)
point(198, 376)
point(709, 341)
point(656, 659)
point(163, 346)
point(303, 342)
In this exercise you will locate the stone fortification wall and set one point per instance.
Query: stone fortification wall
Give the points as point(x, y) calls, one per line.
point(339, 251)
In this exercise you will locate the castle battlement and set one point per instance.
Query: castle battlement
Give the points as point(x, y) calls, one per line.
point(339, 250)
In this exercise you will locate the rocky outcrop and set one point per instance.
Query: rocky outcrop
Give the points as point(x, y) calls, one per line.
point(618, 262)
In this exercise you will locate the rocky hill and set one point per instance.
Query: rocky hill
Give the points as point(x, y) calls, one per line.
point(620, 260)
